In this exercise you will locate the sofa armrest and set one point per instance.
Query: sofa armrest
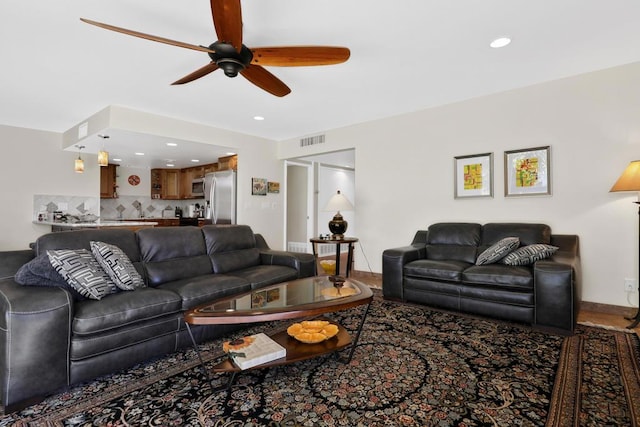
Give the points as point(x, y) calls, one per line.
point(11, 261)
point(304, 263)
point(35, 329)
point(393, 261)
point(556, 296)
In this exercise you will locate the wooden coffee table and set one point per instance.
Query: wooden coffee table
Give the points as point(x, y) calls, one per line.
point(309, 297)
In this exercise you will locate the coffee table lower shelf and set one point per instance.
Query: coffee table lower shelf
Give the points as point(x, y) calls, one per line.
point(296, 350)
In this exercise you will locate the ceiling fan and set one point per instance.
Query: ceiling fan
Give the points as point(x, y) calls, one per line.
point(232, 56)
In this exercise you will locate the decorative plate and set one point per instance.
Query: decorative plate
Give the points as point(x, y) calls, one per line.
point(134, 179)
point(312, 331)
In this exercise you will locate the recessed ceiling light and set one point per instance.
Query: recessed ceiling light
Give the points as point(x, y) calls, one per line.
point(172, 144)
point(170, 165)
point(117, 160)
point(139, 154)
point(195, 160)
point(258, 118)
point(500, 42)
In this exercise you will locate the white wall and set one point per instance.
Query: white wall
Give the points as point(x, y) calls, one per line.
point(126, 189)
point(34, 163)
point(404, 170)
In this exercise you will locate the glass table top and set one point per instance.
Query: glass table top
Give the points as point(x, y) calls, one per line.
point(311, 295)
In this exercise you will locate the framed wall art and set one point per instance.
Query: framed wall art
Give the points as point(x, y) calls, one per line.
point(527, 172)
point(258, 186)
point(273, 187)
point(473, 176)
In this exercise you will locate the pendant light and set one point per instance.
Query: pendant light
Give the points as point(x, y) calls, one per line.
point(79, 167)
point(103, 156)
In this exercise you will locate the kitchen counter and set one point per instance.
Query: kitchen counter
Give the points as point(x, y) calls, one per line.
point(64, 226)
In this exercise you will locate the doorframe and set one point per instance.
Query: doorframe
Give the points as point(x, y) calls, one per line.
point(312, 200)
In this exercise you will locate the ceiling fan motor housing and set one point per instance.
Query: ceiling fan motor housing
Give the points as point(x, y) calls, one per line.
point(229, 59)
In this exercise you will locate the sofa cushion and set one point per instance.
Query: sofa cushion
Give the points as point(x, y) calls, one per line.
point(436, 269)
point(177, 269)
point(124, 308)
point(529, 254)
point(231, 247)
point(527, 233)
point(453, 241)
point(498, 250)
point(117, 265)
point(263, 275)
point(40, 272)
point(499, 275)
point(81, 270)
point(81, 239)
point(204, 289)
point(173, 253)
point(165, 243)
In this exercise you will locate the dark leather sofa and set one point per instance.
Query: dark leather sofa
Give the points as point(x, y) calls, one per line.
point(49, 340)
point(438, 269)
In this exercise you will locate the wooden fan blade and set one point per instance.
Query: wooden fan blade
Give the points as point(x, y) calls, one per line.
point(148, 36)
point(200, 72)
point(265, 80)
point(227, 20)
point(292, 56)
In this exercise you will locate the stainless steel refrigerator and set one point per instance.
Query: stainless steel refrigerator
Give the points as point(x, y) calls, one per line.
point(220, 197)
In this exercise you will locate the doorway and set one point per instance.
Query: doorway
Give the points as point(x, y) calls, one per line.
point(311, 182)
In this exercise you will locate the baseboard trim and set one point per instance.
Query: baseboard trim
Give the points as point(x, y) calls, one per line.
point(607, 308)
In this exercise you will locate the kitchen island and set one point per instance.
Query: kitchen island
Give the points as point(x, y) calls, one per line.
point(66, 226)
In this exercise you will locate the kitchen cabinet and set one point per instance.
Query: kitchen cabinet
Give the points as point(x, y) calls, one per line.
point(165, 184)
point(108, 184)
point(171, 184)
point(228, 162)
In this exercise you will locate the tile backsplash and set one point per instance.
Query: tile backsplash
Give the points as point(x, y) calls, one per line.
point(124, 207)
point(73, 205)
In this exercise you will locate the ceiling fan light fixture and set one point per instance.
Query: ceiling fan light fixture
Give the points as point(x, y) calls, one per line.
point(500, 42)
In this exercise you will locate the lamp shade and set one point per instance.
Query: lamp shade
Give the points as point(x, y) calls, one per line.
point(79, 166)
point(103, 158)
point(338, 202)
point(630, 178)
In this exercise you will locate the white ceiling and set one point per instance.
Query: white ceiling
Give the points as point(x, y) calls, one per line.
point(405, 56)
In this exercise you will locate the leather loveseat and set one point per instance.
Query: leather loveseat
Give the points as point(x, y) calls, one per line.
point(50, 340)
point(439, 269)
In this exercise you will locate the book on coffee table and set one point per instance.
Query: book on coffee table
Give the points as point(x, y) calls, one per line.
point(254, 350)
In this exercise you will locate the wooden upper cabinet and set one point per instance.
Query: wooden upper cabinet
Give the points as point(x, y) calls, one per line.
point(171, 184)
point(228, 162)
point(108, 185)
point(176, 183)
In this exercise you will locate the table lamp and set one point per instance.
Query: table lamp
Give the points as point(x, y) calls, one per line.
point(630, 181)
point(338, 226)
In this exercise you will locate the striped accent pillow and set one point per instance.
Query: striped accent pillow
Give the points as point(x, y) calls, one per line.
point(529, 254)
point(81, 270)
point(498, 250)
point(118, 266)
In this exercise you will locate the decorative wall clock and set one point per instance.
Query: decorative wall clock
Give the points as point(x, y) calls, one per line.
point(134, 180)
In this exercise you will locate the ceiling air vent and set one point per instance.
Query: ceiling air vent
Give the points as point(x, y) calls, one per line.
point(311, 140)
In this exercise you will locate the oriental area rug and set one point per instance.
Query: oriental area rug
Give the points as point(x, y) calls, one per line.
point(414, 366)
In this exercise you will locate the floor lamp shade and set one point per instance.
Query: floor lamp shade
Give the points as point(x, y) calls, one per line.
point(630, 178)
point(338, 226)
point(630, 181)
